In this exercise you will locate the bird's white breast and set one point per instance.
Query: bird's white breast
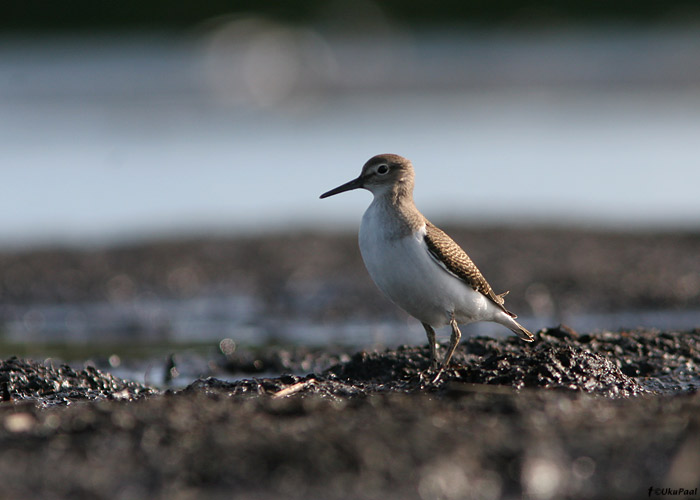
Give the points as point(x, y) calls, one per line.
point(402, 267)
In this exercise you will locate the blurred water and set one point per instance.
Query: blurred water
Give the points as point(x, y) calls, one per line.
point(209, 319)
point(142, 339)
point(242, 126)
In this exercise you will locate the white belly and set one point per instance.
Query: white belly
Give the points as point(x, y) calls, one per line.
point(404, 270)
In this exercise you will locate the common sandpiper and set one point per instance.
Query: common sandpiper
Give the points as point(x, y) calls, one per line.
point(419, 267)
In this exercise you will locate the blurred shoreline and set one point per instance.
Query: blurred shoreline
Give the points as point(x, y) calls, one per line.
point(312, 288)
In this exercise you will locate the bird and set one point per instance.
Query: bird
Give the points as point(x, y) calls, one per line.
point(416, 264)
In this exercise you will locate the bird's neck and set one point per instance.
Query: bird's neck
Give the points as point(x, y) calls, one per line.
point(396, 203)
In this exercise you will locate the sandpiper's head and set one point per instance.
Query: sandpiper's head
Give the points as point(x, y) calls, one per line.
point(381, 174)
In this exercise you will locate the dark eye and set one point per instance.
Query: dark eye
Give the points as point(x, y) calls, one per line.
point(382, 169)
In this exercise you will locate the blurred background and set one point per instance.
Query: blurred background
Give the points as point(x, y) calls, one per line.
point(161, 164)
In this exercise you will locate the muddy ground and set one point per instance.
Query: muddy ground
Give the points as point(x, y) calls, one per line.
point(573, 415)
point(608, 415)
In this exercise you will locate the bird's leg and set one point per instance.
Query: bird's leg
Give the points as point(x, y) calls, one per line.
point(454, 340)
point(433, 346)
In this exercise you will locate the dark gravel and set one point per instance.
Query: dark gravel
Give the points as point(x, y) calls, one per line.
point(557, 419)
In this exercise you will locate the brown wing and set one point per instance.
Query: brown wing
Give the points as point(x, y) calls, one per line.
point(450, 255)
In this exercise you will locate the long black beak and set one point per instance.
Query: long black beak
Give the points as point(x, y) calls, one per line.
point(353, 184)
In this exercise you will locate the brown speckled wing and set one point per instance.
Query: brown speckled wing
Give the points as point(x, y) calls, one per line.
point(455, 260)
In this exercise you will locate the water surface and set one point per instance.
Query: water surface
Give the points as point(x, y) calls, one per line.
point(241, 128)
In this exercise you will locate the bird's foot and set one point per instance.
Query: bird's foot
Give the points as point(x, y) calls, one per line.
point(431, 375)
point(428, 378)
point(437, 376)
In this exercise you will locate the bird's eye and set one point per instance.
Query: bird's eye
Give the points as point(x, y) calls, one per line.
point(382, 169)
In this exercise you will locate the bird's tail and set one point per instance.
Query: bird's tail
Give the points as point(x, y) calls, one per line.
point(523, 333)
point(518, 329)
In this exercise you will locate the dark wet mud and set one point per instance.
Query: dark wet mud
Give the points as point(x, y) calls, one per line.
point(609, 415)
point(616, 364)
point(47, 385)
point(549, 271)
